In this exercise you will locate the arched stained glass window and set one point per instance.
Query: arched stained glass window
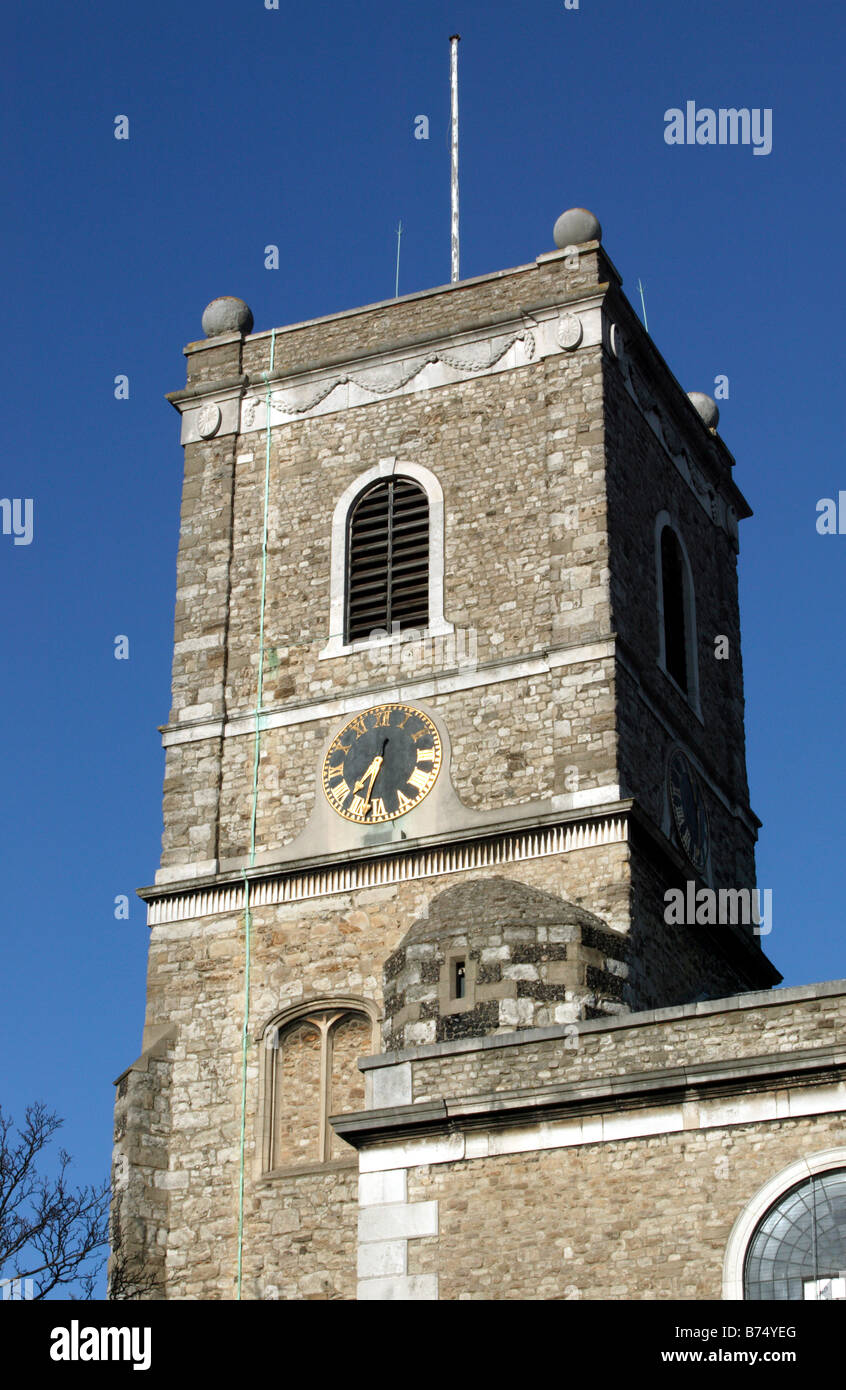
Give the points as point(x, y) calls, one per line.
point(798, 1250)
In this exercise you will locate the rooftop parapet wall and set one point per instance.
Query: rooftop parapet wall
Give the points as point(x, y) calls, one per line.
point(389, 324)
point(784, 1024)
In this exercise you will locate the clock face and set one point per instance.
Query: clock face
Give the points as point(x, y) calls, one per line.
point(382, 764)
point(689, 811)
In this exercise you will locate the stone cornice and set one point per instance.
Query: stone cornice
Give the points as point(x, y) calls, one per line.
point(518, 338)
point(513, 836)
point(663, 1086)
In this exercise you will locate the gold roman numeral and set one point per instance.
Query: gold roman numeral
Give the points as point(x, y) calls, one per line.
point(358, 725)
point(403, 802)
point(379, 808)
point(418, 778)
point(358, 806)
point(342, 791)
point(383, 719)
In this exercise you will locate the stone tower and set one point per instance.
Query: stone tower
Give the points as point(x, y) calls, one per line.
point(457, 711)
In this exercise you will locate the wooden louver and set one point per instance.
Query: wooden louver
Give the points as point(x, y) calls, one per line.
point(388, 559)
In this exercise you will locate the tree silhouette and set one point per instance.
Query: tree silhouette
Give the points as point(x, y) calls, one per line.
point(50, 1233)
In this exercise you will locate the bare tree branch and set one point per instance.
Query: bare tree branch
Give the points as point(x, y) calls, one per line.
point(50, 1232)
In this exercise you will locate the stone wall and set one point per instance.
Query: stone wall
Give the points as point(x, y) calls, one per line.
point(138, 1217)
point(321, 950)
point(644, 1219)
point(606, 1161)
point(652, 713)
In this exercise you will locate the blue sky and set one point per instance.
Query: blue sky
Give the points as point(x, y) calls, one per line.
point(295, 127)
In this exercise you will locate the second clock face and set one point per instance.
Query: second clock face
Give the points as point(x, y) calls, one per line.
point(689, 811)
point(382, 764)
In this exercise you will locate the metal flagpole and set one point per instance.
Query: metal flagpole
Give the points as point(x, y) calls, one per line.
point(454, 40)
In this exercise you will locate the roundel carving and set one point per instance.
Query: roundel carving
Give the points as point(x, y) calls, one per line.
point(208, 420)
point(569, 331)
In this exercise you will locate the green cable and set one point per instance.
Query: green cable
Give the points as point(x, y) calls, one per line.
point(248, 917)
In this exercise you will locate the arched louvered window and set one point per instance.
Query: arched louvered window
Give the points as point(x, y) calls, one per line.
point(388, 559)
point(673, 582)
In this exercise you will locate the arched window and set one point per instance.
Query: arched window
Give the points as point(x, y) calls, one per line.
point(798, 1250)
point(672, 583)
point(388, 559)
point(789, 1242)
point(310, 1074)
point(677, 638)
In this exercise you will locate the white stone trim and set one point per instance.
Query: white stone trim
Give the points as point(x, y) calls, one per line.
point(492, 673)
point(508, 848)
point(386, 468)
point(387, 1221)
point(757, 1207)
point(610, 1127)
point(513, 342)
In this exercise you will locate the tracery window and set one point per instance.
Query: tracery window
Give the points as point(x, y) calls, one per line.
point(311, 1073)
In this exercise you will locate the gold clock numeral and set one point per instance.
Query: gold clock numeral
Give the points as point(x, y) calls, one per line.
point(405, 721)
point(358, 725)
point(418, 778)
point(335, 771)
point(383, 719)
point(403, 802)
point(358, 806)
point(426, 755)
point(421, 733)
point(342, 791)
point(379, 808)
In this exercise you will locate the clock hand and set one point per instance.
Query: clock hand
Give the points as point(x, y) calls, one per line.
point(375, 765)
point(368, 772)
point(372, 772)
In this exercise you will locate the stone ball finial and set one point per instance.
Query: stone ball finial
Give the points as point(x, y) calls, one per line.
point(706, 408)
point(227, 315)
point(575, 226)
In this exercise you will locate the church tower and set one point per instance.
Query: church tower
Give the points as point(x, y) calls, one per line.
point(456, 747)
